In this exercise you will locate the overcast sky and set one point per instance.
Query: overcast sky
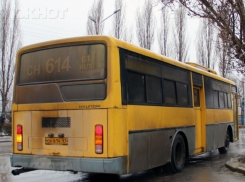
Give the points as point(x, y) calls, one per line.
point(43, 20)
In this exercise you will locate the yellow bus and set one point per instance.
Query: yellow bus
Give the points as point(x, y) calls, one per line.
point(97, 104)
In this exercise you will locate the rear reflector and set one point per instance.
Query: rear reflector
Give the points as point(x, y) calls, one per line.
point(19, 137)
point(98, 139)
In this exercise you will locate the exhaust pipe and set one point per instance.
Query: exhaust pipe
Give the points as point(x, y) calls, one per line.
point(21, 170)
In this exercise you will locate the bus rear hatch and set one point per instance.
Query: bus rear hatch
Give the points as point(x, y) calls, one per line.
point(63, 133)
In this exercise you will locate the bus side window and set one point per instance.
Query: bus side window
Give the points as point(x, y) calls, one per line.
point(221, 100)
point(196, 97)
point(136, 87)
point(169, 92)
point(182, 93)
point(216, 98)
point(153, 89)
point(229, 100)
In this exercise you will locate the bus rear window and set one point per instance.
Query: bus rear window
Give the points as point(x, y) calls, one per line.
point(74, 62)
point(84, 92)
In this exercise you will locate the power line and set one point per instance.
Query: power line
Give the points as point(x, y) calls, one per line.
point(50, 27)
point(41, 34)
point(36, 35)
point(45, 30)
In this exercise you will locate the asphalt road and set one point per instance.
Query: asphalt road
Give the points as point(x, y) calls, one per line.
point(207, 167)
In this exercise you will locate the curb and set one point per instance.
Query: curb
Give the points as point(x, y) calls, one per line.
point(235, 165)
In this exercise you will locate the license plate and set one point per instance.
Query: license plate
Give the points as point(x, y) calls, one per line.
point(56, 141)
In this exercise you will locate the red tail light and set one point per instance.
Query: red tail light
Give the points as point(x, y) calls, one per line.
point(98, 139)
point(19, 137)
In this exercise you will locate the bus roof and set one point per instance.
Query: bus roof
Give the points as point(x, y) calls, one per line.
point(114, 42)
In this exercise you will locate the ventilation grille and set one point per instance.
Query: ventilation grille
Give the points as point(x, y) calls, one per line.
point(58, 122)
point(197, 79)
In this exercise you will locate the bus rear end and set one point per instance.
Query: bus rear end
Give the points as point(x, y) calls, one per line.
point(61, 108)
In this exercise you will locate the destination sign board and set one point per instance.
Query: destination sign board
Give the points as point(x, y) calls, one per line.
point(73, 62)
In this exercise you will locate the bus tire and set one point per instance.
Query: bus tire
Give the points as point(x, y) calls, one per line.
point(178, 154)
point(225, 148)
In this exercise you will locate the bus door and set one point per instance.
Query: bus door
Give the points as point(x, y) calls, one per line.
point(235, 116)
point(197, 93)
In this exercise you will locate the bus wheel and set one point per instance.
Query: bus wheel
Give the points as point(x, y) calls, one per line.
point(223, 150)
point(178, 155)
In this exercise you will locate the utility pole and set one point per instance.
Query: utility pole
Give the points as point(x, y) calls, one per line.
point(98, 23)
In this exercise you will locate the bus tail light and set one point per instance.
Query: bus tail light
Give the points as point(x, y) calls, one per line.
point(19, 137)
point(98, 139)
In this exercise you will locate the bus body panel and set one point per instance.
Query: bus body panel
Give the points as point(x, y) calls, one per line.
point(151, 134)
point(118, 135)
point(145, 117)
point(216, 135)
point(215, 116)
point(22, 118)
point(80, 132)
point(152, 148)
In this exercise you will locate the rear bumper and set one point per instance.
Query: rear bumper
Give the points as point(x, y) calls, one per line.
point(116, 165)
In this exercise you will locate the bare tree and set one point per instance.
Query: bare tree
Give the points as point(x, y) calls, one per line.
point(128, 35)
point(201, 53)
point(118, 19)
point(95, 17)
point(10, 42)
point(209, 39)
point(228, 16)
point(163, 33)
point(145, 25)
point(180, 39)
point(224, 57)
point(206, 44)
point(240, 91)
